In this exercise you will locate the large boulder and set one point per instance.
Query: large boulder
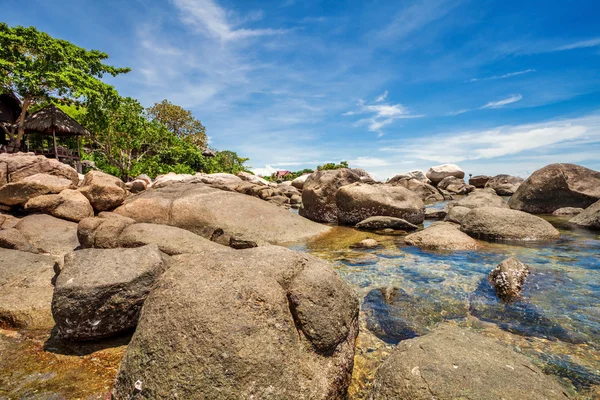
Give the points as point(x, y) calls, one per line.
point(556, 186)
point(479, 181)
point(416, 174)
point(508, 278)
point(16, 167)
point(588, 218)
point(68, 204)
point(260, 323)
point(454, 185)
point(100, 292)
point(298, 183)
point(481, 198)
point(49, 234)
point(26, 289)
point(442, 236)
point(319, 190)
point(13, 239)
point(171, 177)
point(457, 363)
point(504, 185)
point(211, 212)
point(257, 180)
point(492, 223)
point(456, 214)
point(17, 193)
point(424, 190)
point(359, 201)
point(105, 192)
point(102, 232)
point(439, 172)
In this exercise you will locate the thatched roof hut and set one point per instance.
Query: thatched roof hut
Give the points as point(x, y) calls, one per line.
point(51, 120)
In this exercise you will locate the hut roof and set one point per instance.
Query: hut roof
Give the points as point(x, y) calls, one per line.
point(51, 118)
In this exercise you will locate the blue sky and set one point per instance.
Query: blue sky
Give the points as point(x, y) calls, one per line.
point(390, 86)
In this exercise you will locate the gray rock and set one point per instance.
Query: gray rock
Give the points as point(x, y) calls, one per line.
point(479, 181)
point(26, 289)
point(365, 244)
point(457, 363)
point(137, 186)
point(102, 232)
point(454, 185)
point(439, 172)
point(377, 223)
point(481, 198)
point(100, 292)
point(68, 204)
point(359, 201)
point(105, 192)
point(260, 323)
point(492, 223)
point(298, 183)
point(14, 240)
point(49, 234)
point(508, 279)
point(589, 218)
point(320, 189)
point(568, 211)
point(207, 211)
point(456, 214)
point(18, 166)
point(556, 186)
point(424, 190)
point(504, 185)
point(441, 236)
point(432, 213)
point(15, 194)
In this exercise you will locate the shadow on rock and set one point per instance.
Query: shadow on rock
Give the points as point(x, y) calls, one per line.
point(56, 345)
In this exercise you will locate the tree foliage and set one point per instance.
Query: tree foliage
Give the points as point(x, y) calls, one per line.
point(37, 68)
point(181, 122)
point(329, 166)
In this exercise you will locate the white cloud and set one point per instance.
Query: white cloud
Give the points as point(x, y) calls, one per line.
point(268, 170)
point(501, 103)
point(580, 45)
point(382, 97)
point(509, 75)
point(366, 162)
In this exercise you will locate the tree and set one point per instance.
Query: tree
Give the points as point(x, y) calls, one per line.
point(225, 161)
point(329, 166)
point(37, 68)
point(181, 122)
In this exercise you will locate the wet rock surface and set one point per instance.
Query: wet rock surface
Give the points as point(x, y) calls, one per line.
point(508, 279)
point(376, 223)
point(442, 236)
point(588, 218)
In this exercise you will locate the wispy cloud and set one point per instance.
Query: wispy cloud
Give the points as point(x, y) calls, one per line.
point(501, 103)
point(206, 16)
point(504, 76)
point(368, 162)
point(382, 97)
point(580, 45)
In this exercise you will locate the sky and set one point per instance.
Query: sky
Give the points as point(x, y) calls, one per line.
point(389, 86)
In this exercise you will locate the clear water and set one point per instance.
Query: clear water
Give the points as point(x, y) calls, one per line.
point(557, 321)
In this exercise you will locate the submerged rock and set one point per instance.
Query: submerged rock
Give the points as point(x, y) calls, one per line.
point(508, 279)
point(457, 363)
point(504, 185)
point(365, 244)
point(260, 323)
point(442, 236)
point(566, 211)
point(556, 186)
point(588, 218)
point(376, 223)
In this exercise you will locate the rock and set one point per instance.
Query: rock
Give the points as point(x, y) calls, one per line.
point(479, 181)
point(394, 315)
point(416, 174)
point(492, 223)
point(439, 172)
point(18, 166)
point(49, 234)
point(508, 279)
point(320, 189)
point(568, 211)
point(68, 204)
point(218, 179)
point(205, 211)
point(359, 201)
point(481, 198)
point(257, 180)
point(377, 223)
point(145, 178)
point(365, 244)
point(100, 292)
point(18, 193)
point(296, 199)
point(456, 214)
point(504, 185)
point(7, 221)
point(457, 363)
point(441, 236)
point(424, 190)
point(556, 186)
point(138, 185)
point(433, 213)
point(14, 240)
point(455, 185)
point(279, 200)
point(260, 323)
point(589, 218)
point(102, 232)
point(26, 289)
point(298, 183)
point(105, 192)
point(171, 177)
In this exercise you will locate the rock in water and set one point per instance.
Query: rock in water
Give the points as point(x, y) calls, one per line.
point(589, 218)
point(442, 236)
point(259, 323)
point(504, 185)
point(492, 223)
point(105, 192)
point(556, 186)
point(319, 190)
point(439, 172)
point(456, 214)
point(568, 211)
point(26, 289)
point(479, 181)
point(481, 198)
point(377, 223)
point(508, 279)
point(100, 292)
point(205, 211)
point(457, 363)
point(359, 201)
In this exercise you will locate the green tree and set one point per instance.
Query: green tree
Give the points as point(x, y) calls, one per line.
point(329, 166)
point(225, 161)
point(181, 122)
point(37, 67)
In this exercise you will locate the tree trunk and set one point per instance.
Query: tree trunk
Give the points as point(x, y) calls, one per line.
point(14, 144)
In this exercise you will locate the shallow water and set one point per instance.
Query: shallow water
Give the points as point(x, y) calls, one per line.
point(406, 291)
